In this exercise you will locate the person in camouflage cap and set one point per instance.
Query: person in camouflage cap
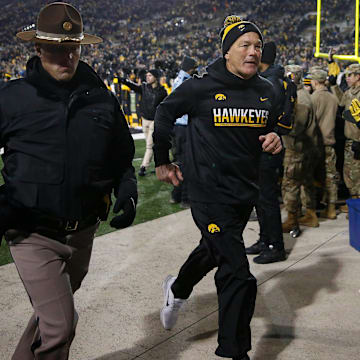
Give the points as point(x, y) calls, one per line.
point(325, 107)
point(301, 151)
point(351, 114)
point(307, 84)
point(352, 69)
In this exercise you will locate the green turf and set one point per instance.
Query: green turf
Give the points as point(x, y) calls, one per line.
point(5, 256)
point(153, 200)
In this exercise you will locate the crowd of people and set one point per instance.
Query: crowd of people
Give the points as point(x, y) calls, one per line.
point(158, 34)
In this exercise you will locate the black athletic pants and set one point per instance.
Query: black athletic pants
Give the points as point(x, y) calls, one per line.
point(222, 246)
point(268, 207)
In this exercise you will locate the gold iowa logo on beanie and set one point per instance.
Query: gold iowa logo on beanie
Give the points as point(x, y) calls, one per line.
point(67, 26)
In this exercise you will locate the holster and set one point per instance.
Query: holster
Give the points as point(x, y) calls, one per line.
point(9, 215)
point(104, 209)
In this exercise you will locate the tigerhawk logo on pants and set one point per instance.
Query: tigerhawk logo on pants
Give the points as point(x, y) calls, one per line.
point(213, 228)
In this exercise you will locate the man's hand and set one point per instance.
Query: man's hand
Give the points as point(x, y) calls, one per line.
point(331, 53)
point(169, 173)
point(271, 143)
point(126, 201)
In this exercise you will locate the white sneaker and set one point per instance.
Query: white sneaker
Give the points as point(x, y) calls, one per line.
point(170, 311)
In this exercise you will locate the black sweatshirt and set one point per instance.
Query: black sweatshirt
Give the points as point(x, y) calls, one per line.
point(227, 115)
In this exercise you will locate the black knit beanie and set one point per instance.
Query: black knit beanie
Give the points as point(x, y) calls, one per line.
point(269, 53)
point(155, 72)
point(188, 63)
point(233, 28)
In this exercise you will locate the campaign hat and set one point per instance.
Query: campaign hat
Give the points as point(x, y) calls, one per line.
point(59, 23)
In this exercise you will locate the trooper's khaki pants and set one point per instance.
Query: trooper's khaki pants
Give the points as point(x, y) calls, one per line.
point(51, 272)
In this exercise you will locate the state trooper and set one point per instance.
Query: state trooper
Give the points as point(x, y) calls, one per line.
point(270, 246)
point(67, 149)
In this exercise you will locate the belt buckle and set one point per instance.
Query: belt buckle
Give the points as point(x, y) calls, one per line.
point(71, 225)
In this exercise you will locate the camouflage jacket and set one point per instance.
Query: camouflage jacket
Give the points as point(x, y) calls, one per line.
point(305, 133)
point(325, 107)
point(351, 130)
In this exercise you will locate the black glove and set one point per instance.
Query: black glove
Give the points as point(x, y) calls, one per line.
point(126, 201)
point(348, 117)
point(355, 147)
point(332, 80)
point(127, 217)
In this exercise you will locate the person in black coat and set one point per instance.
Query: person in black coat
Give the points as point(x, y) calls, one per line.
point(67, 147)
point(270, 246)
point(152, 93)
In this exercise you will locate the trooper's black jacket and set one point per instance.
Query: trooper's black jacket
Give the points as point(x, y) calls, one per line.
point(66, 146)
point(226, 117)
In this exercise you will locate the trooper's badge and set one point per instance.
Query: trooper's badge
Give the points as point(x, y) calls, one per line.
point(213, 228)
point(67, 26)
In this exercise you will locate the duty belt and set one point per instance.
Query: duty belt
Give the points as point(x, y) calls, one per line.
point(60, 225)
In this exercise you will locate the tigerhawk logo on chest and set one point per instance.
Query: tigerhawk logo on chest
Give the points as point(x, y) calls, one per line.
point(240, 117)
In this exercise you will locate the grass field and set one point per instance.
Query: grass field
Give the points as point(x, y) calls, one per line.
point(153, 200)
